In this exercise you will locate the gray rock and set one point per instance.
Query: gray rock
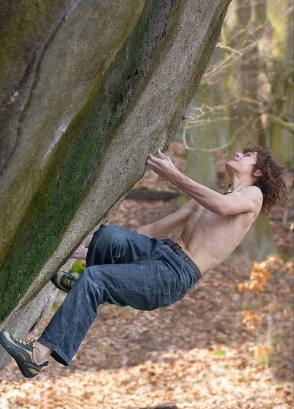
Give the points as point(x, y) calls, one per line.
point(87, 90)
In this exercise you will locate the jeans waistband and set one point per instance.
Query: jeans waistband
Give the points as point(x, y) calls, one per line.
point(180, 252)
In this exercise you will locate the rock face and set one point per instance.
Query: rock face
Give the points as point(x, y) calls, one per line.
point(87, 89)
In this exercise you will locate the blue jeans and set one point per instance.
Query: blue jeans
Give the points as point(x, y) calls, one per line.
point(123, 268)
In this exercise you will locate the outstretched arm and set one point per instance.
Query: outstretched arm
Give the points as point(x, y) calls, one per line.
point(163, 227)
point(249, 200)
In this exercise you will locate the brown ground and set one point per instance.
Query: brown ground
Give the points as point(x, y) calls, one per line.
point(197, 353)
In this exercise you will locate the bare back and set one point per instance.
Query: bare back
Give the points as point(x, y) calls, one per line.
point(209, 238)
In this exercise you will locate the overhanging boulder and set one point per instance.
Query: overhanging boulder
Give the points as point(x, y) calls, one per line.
point(87, 90)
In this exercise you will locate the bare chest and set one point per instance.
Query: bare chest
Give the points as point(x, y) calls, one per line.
point(208, 233)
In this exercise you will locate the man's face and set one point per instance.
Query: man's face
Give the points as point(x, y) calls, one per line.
point(241, 163)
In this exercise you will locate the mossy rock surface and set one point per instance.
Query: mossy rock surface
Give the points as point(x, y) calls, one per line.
point(87, 90)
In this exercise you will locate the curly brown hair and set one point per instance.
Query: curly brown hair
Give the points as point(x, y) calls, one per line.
point(271, 183)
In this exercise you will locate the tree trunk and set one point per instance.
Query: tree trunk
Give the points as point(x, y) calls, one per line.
point(281, 107)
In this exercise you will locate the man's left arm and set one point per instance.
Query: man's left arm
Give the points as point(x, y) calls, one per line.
point(168, 224)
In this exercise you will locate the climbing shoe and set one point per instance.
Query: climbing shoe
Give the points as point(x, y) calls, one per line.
point(22, 353)
point(63, 281)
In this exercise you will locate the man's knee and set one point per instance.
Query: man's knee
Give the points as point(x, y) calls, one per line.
point(92, 279)
point(115, 237)
point(114, 244)
point(108, 233)
point(93, 284)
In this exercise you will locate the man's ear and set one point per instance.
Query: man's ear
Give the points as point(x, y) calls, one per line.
point(257, 173)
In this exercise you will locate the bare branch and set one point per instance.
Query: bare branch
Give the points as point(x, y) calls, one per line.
point(280, 122)
point(198, 148)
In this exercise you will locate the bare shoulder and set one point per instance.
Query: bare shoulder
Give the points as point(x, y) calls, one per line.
point(252, 191)
point(255, 196)
point(249, 199)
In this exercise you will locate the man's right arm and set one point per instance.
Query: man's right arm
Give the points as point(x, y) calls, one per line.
point(163, 227)
point(247, 200)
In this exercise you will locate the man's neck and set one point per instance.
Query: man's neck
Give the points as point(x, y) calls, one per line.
point(239, 184)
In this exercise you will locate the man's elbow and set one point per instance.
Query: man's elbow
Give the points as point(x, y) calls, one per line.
point(231, 210)
point(226, 209)
point(146, 230)
point(221, 209)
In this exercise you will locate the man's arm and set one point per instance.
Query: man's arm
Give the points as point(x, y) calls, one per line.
point(170, 223)
point(249, 200)
point(80, 253)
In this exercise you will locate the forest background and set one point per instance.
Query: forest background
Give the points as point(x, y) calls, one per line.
point(229, 343)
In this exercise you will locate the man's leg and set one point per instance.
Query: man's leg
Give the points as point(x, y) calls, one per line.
point(110, 245)
point(115, 244)
point(144, 285)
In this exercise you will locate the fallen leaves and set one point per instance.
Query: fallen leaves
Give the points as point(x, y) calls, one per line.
point(250, 319)
point(258, 278)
